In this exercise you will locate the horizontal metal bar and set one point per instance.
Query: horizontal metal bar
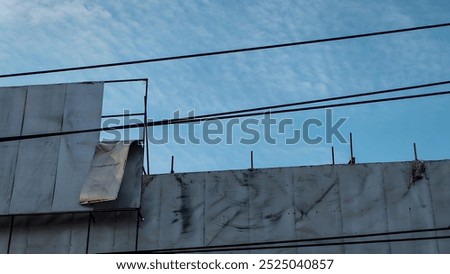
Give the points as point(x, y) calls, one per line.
point(124, 115)
point(88, 82)
point(126, 80)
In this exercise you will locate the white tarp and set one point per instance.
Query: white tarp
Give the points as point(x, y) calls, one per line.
point(106, 173)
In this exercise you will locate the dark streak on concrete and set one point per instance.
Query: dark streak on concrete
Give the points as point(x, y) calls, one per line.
point(305, 213)
point(273, 217)
point(184, 210)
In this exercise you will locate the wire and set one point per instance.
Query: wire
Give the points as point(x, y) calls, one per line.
point(212, 117)
point(276, 244)
point(327, 99)
point(378, 92)
point(193, 120)
point(230, 51)
point(321, 244)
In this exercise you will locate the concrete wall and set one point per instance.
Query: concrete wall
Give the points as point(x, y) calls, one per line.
point(243, 206)
point(44, 175)
point(69, 233)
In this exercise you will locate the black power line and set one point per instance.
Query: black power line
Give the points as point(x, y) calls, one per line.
point(193, 120)
point(230, 51)
point(316, 242)
point(214, 117)
point(320, 244)
point(279, 244)
point(392, 90)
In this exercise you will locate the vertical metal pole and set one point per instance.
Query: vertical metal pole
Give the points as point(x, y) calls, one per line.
point(251, 160)
point(171, 166)
point(10, 234)
point(415, 151)
point(332, 155)
point(146, 127)
point(352, 158)
point(351, 147)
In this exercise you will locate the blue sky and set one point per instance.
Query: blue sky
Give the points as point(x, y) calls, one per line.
point(38, 35)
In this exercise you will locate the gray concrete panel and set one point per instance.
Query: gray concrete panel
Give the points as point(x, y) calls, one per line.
point(227, 213)
point(35, 176)
point(9, 151)
point(37, 160)
point(5, 227)
point(182, 210)
point(272, 213)
point(409, 207)
point(44, 109)
point(113, 232)
point(50, 234)
point(363, 205)
point(12, 104)
point(151, 208)
point(317, 206)
point(438, 173)
point(83, 107)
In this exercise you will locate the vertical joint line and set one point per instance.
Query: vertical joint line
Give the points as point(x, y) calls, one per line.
point(10, 234)
point(139, 218)
point(91, 218)
point(171, 165)
point(251, 160)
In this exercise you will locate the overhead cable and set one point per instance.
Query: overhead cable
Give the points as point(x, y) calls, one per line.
point(391, 240)
point(315, 242)
point(378, 92)
point(215, 117)
point(229, 51)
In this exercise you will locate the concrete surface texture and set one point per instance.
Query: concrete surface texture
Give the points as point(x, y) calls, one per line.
point(255, 206)
point(42, 175)
point(243, 206)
